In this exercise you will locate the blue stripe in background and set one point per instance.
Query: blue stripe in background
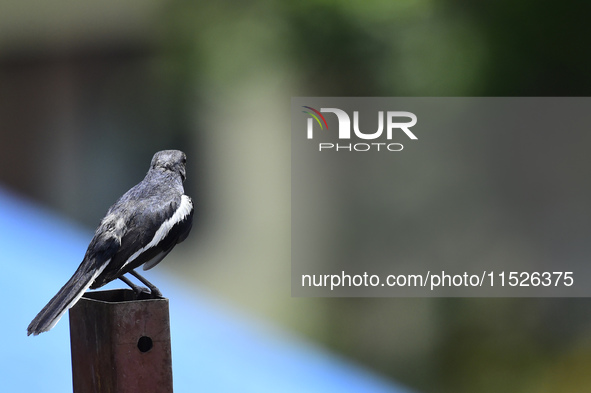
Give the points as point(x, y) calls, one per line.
point(214, 348)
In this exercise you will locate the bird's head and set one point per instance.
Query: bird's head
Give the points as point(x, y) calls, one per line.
point(170, 160)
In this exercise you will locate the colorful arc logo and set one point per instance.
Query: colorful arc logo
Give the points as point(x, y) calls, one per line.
point(315, 112)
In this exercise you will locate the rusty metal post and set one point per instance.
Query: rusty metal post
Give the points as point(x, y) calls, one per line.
point(120, 344)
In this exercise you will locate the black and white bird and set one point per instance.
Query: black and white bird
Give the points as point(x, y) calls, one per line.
point(141, 228)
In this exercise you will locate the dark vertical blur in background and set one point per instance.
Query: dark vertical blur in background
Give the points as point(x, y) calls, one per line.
point(89, 91)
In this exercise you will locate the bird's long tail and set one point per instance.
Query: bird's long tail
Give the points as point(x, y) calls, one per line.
point(66, 297)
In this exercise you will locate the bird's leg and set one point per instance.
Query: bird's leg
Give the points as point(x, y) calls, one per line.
point(136, 288)
point(155, 291)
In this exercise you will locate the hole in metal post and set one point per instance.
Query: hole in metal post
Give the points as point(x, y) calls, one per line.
point(144, 344)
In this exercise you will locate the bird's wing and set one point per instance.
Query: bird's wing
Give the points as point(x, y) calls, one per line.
point(150, 233)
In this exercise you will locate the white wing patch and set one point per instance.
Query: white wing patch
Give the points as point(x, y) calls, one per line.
point(179, 215)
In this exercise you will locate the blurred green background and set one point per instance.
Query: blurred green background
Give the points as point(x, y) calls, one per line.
point(90, 90)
